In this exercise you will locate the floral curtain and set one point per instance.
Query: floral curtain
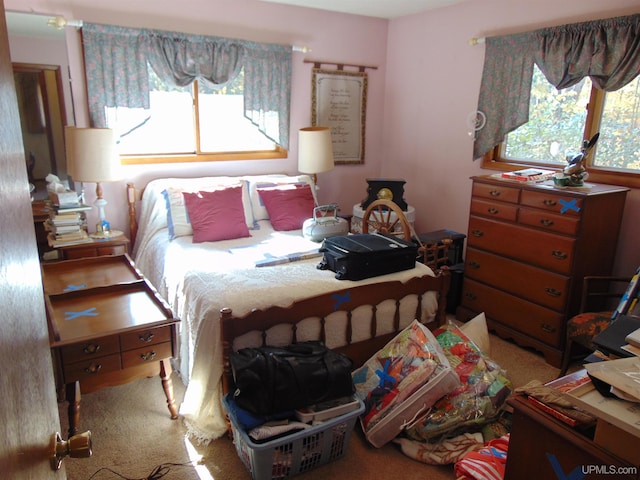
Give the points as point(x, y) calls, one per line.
point(607, 51)
point(116, 61)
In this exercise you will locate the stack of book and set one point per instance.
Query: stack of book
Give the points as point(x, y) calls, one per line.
point(67, 225)
point(529, 175)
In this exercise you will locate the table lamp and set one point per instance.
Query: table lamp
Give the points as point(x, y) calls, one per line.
point(92, 157)
point(315, 151)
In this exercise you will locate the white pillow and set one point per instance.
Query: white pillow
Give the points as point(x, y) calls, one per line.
point(178, 221)
point(476, 330)
point(265, 181)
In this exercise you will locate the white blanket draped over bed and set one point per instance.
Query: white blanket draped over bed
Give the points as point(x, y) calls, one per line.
point(198, 280)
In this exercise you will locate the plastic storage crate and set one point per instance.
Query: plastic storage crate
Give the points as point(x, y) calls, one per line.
point(299, 452)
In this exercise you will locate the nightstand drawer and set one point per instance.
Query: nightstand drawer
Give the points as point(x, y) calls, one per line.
point(143, 338)
point(91, 368)
point(148, 354)
point(83, 352)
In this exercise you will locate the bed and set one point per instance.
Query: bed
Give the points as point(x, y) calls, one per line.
point(269, 268)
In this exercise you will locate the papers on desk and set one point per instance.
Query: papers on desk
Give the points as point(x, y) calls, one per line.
point(623, 375)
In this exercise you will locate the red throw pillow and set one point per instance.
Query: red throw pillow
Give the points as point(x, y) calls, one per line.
point(288, 205)
point(216, 215)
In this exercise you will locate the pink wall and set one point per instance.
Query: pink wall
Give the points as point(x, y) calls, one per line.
point(426, 84)
point(433, 80)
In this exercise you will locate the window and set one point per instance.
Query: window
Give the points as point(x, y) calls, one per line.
point(538, 120)
point(560, 120)
point(193, 122)
point(178, 97)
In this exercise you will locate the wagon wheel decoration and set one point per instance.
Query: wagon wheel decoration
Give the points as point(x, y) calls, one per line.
point(378, 218)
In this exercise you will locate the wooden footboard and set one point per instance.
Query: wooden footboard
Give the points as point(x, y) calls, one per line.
point(322, 306)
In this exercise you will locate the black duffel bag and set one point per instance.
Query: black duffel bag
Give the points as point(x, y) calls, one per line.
point(277, 379)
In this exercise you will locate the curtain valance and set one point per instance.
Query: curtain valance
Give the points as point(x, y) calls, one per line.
point(607, 51)
point(116, 61)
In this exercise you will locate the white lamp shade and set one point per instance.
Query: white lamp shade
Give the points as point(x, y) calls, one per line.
point(315, 150)
point(92, 155)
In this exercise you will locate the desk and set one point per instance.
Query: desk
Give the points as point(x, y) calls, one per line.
point(537, 439)
point(107, 326)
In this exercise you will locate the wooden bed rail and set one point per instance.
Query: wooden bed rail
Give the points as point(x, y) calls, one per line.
point(322, 306)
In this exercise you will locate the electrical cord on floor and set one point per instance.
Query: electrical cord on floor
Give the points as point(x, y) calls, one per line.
point(156, 474)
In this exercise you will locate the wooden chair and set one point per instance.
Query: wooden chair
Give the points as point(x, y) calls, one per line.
point(600, 296)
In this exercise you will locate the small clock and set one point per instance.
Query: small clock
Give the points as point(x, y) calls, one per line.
point(385, 189)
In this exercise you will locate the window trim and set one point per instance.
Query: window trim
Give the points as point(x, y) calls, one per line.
point(278, 152)
point(495, 160)
point(198, 156)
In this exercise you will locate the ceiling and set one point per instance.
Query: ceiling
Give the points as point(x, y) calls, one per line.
point(372, 8)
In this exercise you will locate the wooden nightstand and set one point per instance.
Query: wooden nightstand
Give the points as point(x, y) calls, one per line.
point(97, 247)
point(107, 326)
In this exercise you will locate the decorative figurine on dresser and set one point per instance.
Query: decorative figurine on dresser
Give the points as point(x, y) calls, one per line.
point(529, 247)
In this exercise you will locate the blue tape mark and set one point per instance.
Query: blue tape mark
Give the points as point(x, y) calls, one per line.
point(340, 299)
point(572, 205)
point(384, 374)
point(89, 312)
point(71, 288)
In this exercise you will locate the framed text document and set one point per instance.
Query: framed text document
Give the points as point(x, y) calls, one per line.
point(339, 101)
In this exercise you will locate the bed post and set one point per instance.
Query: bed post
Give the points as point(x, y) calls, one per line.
point(131, 201)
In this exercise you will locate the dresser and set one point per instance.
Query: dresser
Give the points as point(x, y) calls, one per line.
point(529, 246)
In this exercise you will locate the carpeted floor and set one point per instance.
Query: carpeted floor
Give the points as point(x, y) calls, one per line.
point(132, 434)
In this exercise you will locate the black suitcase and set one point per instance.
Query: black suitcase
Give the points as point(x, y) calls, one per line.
point(355, 257)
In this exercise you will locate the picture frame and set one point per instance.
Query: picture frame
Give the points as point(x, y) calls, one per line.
point(339, 101)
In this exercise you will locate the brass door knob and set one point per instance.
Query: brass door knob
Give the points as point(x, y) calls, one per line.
point(78, 446)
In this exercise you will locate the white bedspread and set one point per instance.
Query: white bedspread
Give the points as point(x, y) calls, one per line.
point(198, 280)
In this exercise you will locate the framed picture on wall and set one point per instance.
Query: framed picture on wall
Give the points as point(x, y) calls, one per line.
point(339, 101)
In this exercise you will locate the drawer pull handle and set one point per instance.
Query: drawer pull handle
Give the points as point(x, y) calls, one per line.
point(477, 233)
point(91, 348)
point(553, 292)
point(493, 211)
point(93, 368)
point(470, 296)
point(559, 254)
point(546, 222)
point(494, 193)
point(147, 337)
point(474, 265)
point(547, 328)
point(550, 203)
point(148, 356)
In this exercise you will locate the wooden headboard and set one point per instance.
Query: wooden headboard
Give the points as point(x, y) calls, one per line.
point(323, 305)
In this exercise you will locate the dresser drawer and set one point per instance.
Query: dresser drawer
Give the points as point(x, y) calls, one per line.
point(540, 286)
point(502, 193)
point(541, 249)
point(566, 224)
point(148, 354)
point(91, 368)
point(528, 318)
point(552, 202)
point(82, 352)
point(144, 338)
point(487, 208)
